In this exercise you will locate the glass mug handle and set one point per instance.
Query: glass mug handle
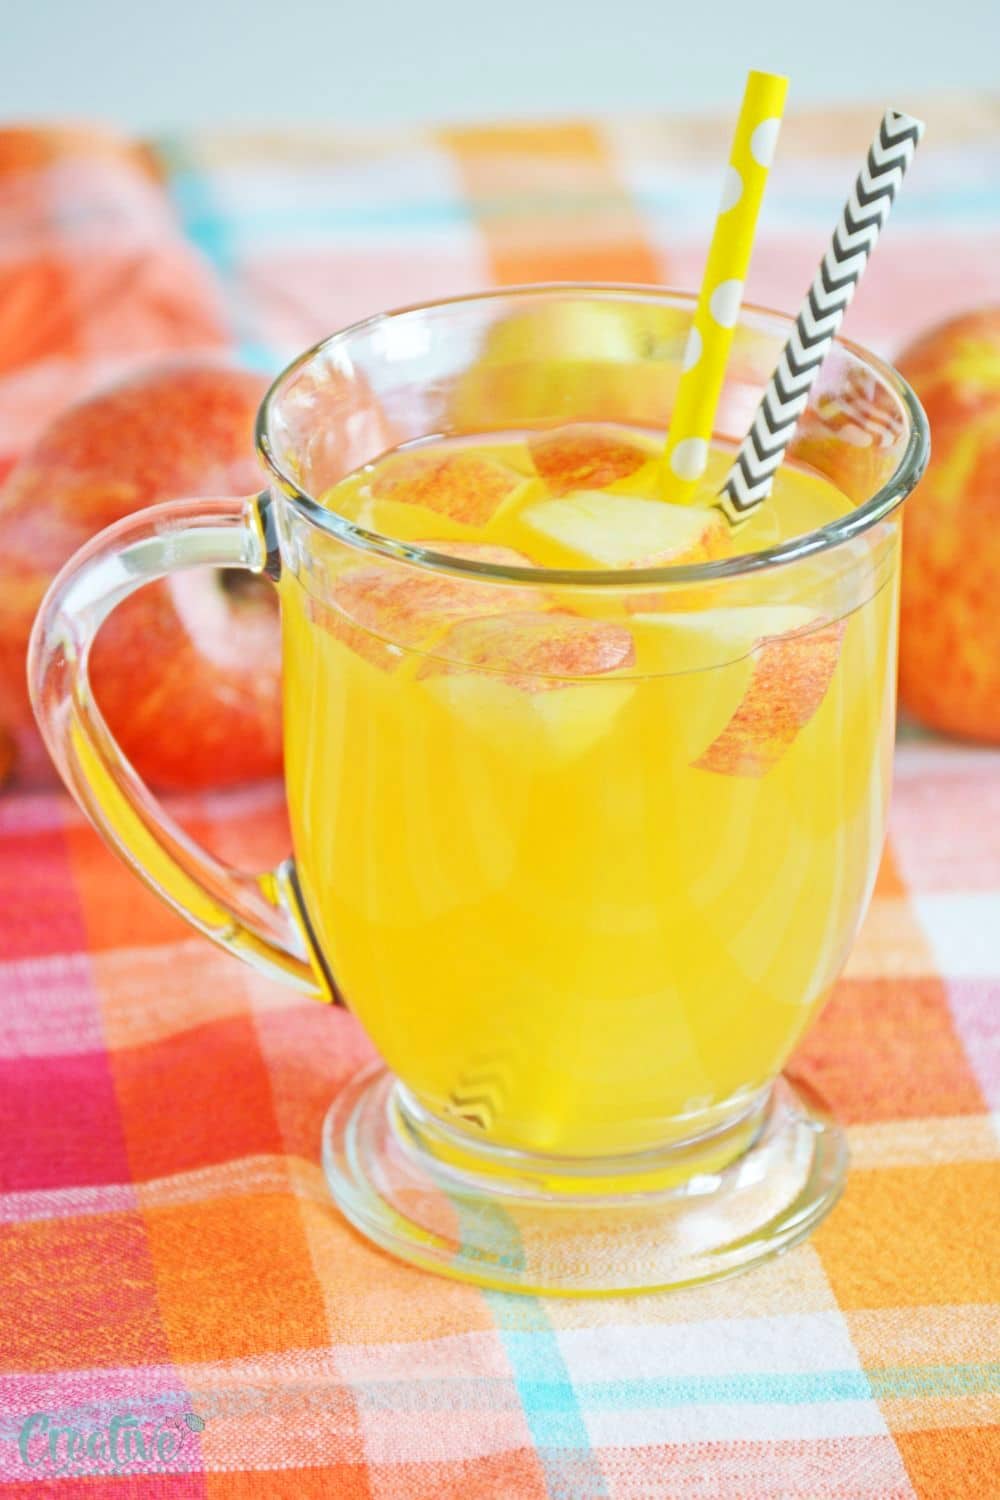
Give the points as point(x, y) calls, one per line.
point(257, 917)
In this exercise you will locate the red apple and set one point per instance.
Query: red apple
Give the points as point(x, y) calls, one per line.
point(6, 755)
point(949, 651)
point(186, 671)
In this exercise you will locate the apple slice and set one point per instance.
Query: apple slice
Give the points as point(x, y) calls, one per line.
point(383, 606)
point(788, 654)
point(535, 650)
point(790, 678)
point(518, 680)
point(623, 531)
point(466, 486)
point(371, 648)
point(587, 458)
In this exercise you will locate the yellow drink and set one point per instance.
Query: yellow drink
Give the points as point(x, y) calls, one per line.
point(584, 877)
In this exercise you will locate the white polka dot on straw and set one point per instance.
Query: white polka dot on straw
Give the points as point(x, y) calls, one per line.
point(692, 350)
point(732, 190)
point(703, 361)
point(725, 303)
point(689, 458)
point(763, 142)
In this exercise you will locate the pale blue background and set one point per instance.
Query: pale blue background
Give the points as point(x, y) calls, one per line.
point(149, 64)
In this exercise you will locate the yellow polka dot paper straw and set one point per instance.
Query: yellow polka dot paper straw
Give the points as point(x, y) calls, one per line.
point(711, 335)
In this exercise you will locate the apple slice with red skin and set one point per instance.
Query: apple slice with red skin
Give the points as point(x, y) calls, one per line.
point(383, 606)
point(791, 653)
point(530, 684)
point(465, 486)
point(586, 458)
point(534, 651)
point(371, 648)
point(791, 675)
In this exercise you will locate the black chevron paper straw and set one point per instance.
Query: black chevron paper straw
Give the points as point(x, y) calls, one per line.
point(865, 212)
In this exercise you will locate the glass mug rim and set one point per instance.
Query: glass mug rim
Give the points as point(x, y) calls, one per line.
point(886, 499)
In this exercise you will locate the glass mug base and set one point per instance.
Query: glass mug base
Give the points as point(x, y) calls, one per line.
point(695, 1211)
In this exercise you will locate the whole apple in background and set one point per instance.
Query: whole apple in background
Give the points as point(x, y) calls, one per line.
point(949, 673)
point(6, 755)
point(573, 360)
point(187, 672)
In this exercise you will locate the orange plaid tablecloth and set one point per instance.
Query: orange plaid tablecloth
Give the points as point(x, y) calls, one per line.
point(183, 1312)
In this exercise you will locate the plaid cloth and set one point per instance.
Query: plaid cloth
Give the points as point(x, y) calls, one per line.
point(183, 1312)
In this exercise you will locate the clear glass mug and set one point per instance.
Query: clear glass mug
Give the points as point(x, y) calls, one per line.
point(584, 919)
